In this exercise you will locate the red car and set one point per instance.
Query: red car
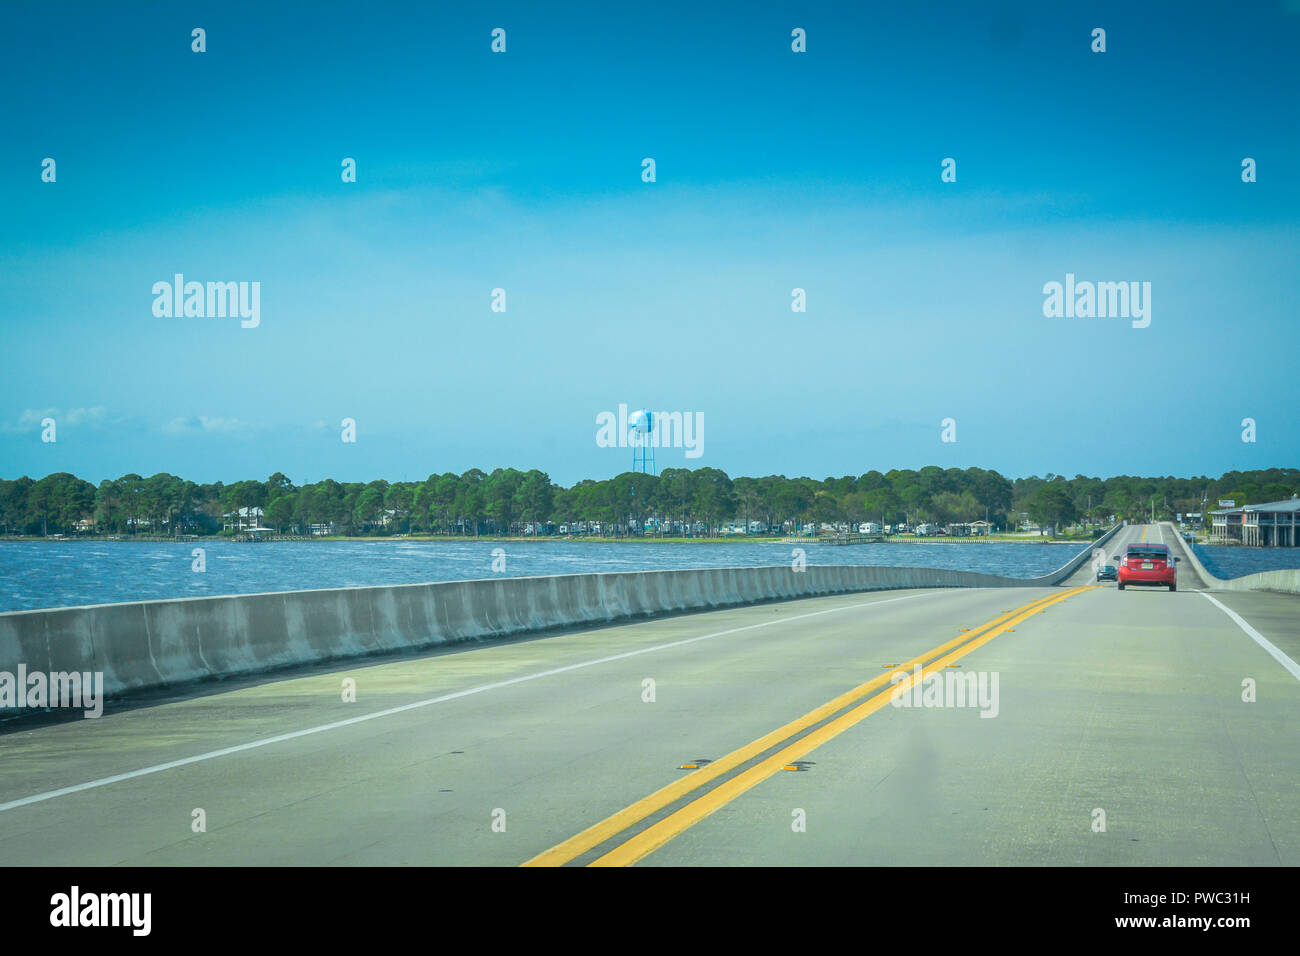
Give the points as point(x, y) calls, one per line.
point(1149, 565)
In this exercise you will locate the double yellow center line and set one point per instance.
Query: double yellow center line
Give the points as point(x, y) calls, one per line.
point(659, 833)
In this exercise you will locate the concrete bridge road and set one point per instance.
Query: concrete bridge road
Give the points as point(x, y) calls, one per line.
point(1161, 533)
point(1093, 727)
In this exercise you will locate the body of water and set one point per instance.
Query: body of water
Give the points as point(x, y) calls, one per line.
point(1235, 562)
point(41, 574)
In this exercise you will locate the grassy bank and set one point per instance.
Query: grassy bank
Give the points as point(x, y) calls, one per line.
point(593, 539)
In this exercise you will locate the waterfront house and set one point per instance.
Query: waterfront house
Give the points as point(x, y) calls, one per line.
point(245, 519)
point(1270, 525)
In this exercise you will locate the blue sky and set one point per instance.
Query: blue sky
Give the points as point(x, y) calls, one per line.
point(522, 171)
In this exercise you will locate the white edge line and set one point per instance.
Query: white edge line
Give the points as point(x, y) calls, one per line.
point(1257, 637)
point(321, 728)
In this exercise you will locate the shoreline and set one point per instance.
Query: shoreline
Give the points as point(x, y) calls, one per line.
point(547, 539)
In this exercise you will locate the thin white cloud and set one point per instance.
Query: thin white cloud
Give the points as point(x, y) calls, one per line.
point(203, 425)
point(31, 418)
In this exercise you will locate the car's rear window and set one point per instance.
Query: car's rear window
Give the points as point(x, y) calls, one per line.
point(1145, 551)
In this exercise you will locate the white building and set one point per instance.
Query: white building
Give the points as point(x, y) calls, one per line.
point(242, 520)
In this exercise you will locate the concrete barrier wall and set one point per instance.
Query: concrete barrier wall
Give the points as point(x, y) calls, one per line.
point(1066, 571)
point(146, 645)
point(1188, 554)
point(1284, 581)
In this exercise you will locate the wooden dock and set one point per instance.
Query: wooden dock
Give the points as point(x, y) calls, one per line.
point(853, 539)
point(838, 539)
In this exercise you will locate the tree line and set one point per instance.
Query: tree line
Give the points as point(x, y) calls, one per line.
point(679, 500)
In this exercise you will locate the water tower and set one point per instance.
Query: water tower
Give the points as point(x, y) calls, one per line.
point(641, 428)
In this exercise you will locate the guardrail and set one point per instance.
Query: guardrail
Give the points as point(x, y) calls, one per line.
point(146, 645)
point(1286, 581)
point(1066, 571)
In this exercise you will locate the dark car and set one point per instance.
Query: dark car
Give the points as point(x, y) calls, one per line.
point(1107, 572)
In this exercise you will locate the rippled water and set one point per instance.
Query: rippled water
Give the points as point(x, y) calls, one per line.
point(1234, 562)
point(39, 574)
